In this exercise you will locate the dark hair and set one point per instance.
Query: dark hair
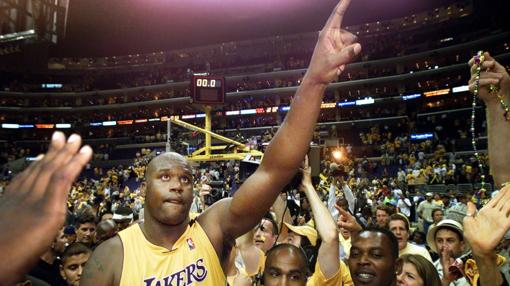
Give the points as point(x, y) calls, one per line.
point(425, 269)
point(385, 209)
point(392, 238)
point(104, 213)
point(74, 249)
point(270, 218)
point(436, 210)
point(420, 233)
point(124, 211)
point(85, 217)
point(399, 216)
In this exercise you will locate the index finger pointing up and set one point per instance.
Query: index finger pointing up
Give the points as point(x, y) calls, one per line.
point(336, 18)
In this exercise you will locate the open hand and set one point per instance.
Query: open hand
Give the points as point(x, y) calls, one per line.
point(34, 206)
point(485, 229)
point(335, 48)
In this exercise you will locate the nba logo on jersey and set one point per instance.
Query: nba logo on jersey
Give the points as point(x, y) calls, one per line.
point(191, 244)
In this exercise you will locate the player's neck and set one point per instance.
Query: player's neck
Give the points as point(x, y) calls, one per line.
point(162, 234)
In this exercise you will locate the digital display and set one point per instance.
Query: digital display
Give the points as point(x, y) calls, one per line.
point(205, 82)
point(208, 89)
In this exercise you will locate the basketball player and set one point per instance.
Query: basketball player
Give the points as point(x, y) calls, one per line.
point(169, 248)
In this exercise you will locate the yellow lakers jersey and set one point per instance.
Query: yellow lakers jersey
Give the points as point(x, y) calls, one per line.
point(192, 260)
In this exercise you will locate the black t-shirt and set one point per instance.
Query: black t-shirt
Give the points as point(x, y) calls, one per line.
point(48, 272)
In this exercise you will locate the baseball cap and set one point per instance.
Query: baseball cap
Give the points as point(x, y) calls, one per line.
point(448, 224)
point(304, 230)
point(429, 194)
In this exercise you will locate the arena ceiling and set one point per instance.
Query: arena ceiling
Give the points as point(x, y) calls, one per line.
point(118, 27)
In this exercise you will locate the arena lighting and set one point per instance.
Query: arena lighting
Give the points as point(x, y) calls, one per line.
point(436, 92)
point(411, 96)
point(328, 105)
point(421, 136)
point(460, 88)
point(10, 126)
point(346, 103)
point(232, 112)
point(51, 85)
point(337, 154)
point(109, 123)
point(272, 109)
point(248, 111)
point(165, 118)
point(141, 120)
point(189, 116)
point(95, 124)
point(28, 34)
point(259, 110)
point(200, 115)
point(26, 126)
point(45, 126)
point(365, 101)
point(446, 40)
point(63, 125)
point(284, 108)
point(125, 122)
point(154, 119)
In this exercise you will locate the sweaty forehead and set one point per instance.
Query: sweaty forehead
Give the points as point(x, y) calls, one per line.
point(369, 239)
point(167, 161)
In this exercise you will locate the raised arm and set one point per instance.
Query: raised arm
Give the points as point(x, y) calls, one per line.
point(329, 257)
point(286, 151)
point(498, 126)
point(36, 199)
point(280, 209)
point(483, 231)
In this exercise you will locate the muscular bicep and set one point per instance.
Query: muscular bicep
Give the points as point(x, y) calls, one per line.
point(105, 264)
point(253, 200)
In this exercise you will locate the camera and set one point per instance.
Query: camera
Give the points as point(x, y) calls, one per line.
point(217, 193)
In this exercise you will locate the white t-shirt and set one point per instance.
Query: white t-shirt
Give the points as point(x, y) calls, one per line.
point(404, 205)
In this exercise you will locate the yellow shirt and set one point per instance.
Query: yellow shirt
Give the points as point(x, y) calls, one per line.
point(341, 278)
point(191, 261)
